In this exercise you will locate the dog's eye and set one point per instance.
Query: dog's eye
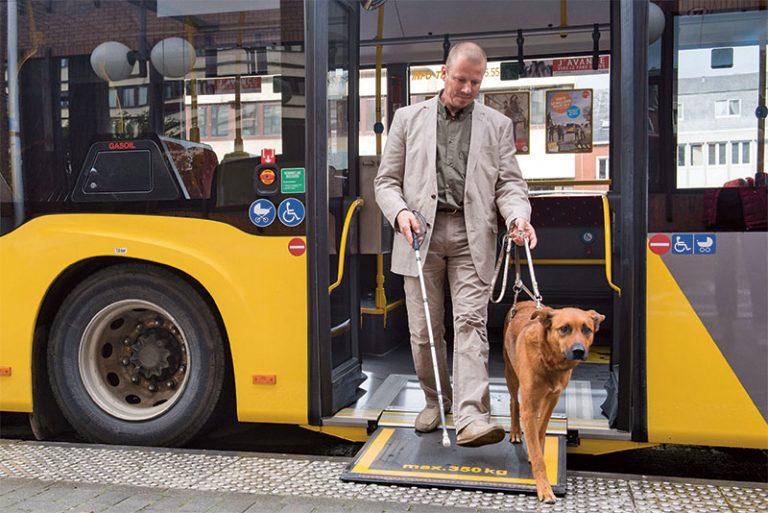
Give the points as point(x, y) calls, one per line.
point(586, 330)
point(565, 329)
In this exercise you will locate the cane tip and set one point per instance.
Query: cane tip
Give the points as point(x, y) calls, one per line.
point(446, 442)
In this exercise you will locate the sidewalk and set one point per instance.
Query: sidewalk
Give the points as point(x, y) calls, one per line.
point(38, 477)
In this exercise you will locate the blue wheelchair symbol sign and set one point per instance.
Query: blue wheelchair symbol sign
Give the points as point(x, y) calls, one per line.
point(262, 213)
point(682, 244)
point(291, 212)
point(704, 243)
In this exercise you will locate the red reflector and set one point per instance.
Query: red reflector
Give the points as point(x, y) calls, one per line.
point(264, 379)
point(5, 371)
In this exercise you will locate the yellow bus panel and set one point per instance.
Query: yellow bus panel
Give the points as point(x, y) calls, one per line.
point(259, 288)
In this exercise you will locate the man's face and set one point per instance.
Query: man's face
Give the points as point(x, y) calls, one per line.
point(462, 83)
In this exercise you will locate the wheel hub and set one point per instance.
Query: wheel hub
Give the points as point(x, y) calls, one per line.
point(150, 354)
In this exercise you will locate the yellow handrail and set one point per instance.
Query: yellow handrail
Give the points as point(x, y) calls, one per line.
point(343, 249)
point(607, 237)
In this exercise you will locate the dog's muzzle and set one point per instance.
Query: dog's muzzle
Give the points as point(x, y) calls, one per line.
point(577, 352)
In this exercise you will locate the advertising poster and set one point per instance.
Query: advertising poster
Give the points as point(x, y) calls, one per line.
point(569, 121)
point(516, 106)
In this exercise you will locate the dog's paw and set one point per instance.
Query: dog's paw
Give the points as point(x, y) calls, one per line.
point(544, 491)
point(515, 438)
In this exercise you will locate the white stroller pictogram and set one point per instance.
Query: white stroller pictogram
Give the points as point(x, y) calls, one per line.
point(260, 212)
point(705, 246)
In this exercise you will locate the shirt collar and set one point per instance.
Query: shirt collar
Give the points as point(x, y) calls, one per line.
point(445, 113)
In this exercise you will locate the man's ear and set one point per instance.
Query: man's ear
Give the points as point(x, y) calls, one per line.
point(544, 316)
point(597, 318)
point(443, 71)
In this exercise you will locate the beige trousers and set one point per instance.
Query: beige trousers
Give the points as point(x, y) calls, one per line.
point(449, 256)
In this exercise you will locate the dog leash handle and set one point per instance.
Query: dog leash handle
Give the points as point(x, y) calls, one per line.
point(503, 256)
point(536, 295)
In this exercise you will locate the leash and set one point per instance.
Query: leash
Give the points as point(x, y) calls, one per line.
point(519, 285)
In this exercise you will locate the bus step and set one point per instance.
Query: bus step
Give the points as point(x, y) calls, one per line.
point(402, 456)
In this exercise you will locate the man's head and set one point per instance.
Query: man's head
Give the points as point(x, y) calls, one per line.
point(463, 73)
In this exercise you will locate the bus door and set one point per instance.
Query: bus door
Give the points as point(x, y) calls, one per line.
point(336, 203)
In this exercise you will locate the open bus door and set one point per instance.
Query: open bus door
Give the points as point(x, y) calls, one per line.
point(335, 368)
point(395, 453)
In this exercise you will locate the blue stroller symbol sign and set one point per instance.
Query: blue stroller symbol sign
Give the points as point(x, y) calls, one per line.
point(291, 212)
point(262, 213)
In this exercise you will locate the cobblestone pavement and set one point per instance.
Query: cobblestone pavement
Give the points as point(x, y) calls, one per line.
point(37, 477)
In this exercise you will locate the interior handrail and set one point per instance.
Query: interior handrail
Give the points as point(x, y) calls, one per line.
point(343, 248)
point(607, 238)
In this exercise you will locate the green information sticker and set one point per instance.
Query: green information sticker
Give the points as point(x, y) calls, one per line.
point(292, 180)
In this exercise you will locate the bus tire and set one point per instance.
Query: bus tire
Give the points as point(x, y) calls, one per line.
point(136, 357)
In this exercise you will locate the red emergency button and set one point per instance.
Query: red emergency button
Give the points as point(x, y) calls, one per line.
point(267, 176)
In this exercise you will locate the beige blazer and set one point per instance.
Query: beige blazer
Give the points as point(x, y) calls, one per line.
point(494, 183)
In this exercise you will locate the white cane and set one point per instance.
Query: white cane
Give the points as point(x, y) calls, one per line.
point(417, 240)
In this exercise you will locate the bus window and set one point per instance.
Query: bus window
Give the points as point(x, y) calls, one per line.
point(717, 61)
point(551, 156)
point(193, 84)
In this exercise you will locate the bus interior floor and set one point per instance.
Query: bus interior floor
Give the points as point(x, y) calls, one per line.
point(581, 402)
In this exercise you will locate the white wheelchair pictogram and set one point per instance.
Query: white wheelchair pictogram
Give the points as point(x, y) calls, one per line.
point(681, 246)
point(289, 216)
point(705, 246)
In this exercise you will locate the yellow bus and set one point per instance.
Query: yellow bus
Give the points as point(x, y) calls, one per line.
point(187, 223)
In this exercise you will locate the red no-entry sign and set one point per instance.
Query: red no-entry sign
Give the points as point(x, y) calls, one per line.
point(297, 247)
point(659, 244)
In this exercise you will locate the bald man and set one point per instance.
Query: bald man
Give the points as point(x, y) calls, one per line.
point(453, 160)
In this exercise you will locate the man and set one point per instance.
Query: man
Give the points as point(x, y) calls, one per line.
point(452, 160)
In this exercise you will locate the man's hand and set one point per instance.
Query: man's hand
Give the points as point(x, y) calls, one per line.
point(520, 229)
point(407, 223)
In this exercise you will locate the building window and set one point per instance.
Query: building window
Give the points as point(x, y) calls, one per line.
point(740, 152)
point(143, 95)
point(250, 119)
point(602, 168)
point(203, 115)
point(272, 121)
point(680, 111)
point(220, 120)
point(716, 154)
point(681, 154)
point(728, 108)
point(128, 95)
point(697, 155)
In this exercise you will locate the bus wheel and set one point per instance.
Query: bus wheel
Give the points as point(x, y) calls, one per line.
point(136, 357)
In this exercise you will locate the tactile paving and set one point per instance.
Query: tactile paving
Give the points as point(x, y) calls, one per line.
point(313, 477)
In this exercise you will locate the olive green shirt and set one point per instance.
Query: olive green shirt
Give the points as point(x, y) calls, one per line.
point(453, 135)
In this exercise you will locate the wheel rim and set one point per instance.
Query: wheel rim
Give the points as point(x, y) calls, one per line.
point(134, 360)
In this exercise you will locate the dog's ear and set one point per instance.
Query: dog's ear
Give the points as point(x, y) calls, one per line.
point(544, 316)
point(597, 318)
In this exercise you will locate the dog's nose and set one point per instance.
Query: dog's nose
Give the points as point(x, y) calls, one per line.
point(578, 352)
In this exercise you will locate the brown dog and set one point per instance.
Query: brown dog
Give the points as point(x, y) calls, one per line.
point(541, 349)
